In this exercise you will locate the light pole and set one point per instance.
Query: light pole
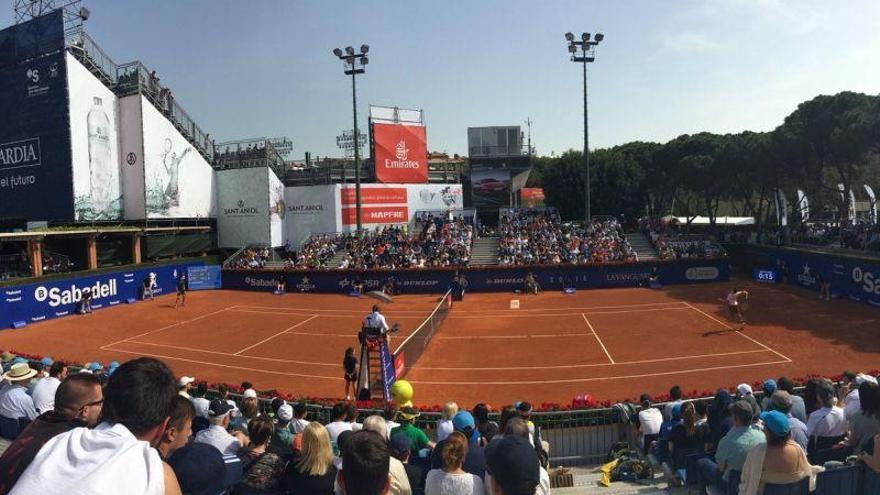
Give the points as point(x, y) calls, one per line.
point(355, 63)
point(587, 54)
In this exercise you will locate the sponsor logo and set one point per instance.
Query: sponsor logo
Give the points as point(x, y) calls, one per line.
point(259, 282)
point(613, 277)
point(870, 282)
point(701, 273)
point(420, 283)
point(18, 154)
point(57, 296)
point(305, 285)
point(400, 153)
point(806, 277)
point(509, 280)
point(304, 209)
point(241, 210)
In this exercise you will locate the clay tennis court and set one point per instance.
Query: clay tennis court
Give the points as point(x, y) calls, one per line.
point(611, 344)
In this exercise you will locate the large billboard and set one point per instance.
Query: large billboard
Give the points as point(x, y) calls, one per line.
point(131, 145)
point(401, 153)
point(179, 182)
point(242, 207)
point(386, 204)
point(35, 174)
point(94, 120)
point(310, 209)
point(277, 210)
point(490, 188)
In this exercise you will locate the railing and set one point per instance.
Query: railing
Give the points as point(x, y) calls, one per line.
point(509, 150)
point(249, 153)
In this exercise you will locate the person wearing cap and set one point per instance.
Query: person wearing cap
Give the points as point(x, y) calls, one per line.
point(79, 404)
point(407, 417)
point(44, 391)
point(401, 449)
point(513, 467)
point(768, 387)
point(216, 434)
point(119, 454)
point(15, 403)
point(826, 425)
point(184, 385)
point(779, 460)
point(781, 401)
point(866, 422)
point(744, 392)
point(525, 412)
point(200, 469)
point(6, 360)
point(475, 460)
point(282, 437)
point(649, 420)
point(732, 449)
point(450, 478)
point(661, 449)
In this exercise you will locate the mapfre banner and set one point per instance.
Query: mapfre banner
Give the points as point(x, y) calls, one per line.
point(400, 153)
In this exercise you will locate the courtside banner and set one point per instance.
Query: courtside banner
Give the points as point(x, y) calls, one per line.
point(484, 280)
point(371, 195)
point(376, 215)
point(52, 299)
point(400, 153)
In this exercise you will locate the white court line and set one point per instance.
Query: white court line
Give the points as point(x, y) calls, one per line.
point(277, 334)
point(169, 326)
point(319, 310)
point(596, 379)
point(593, 331)
point(193, 349)
point(559, 315)
point(725, 325)
point(240, 368)
point(421, 312)
point(306, 312)
point(571, 366)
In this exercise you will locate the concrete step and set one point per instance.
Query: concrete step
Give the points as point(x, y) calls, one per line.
point(485, 251)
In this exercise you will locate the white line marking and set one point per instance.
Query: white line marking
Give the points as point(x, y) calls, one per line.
point(593, 330)
point(571, 366)
point(277, 334)
point(422, 312)
point(579, 380)
point(169, 326)
point(725, 325)
point(558, 315)
point(240, 368)
point(276, 360)
point(319, 310)
point(306, 312)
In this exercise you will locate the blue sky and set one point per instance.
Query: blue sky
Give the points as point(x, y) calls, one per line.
point(265, 68)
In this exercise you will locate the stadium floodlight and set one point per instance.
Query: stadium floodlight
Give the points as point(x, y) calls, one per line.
point(587, 54)
point(355, 64)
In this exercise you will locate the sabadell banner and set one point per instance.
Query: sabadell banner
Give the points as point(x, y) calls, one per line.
point(400, 153)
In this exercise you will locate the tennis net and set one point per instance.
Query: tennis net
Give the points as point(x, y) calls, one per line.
point(411, 349)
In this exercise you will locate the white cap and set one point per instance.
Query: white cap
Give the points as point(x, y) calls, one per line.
point(250, 394)
point(861, 378)
point(285, 412)
point(744, 389)
point(185, 380)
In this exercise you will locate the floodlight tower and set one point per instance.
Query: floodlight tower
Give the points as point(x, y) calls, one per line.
point(354, 64)
point(583, 52)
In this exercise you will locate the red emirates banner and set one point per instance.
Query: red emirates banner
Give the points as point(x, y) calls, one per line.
point(376, 215)
point(374, 195)
point(401, 153)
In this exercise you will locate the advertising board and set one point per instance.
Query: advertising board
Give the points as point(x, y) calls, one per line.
point(400, 153)
point(277, 210)
point(310, 209)
point(849, 278)
point(490, 188)
point(179, 182)
point(94, 120)
point(131, 145)
point(242, 207)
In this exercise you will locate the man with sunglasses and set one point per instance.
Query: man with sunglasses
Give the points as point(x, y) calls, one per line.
point(78, 402)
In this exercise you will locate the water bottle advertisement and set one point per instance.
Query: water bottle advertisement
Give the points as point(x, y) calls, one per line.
point(94, 114)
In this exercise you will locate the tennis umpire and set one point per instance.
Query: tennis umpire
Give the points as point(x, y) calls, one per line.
point(375, 325)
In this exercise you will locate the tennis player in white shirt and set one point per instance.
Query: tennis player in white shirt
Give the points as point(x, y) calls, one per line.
point(733, 303)
point(377, 320)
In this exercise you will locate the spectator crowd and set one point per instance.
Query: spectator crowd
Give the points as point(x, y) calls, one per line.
point(671, 244)
point(540, 237)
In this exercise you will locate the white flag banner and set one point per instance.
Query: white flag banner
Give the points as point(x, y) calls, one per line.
point(873, 199)
point(782, 208)
point(803, 205)
point(852, 206)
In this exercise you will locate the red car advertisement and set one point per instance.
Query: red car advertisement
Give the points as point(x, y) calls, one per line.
point(400, 153)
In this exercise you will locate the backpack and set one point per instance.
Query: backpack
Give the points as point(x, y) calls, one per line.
point(623, 412)
point(632, 469)
point(618, 450)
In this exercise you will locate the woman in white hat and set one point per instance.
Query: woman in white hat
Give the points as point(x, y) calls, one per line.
point(15, 402)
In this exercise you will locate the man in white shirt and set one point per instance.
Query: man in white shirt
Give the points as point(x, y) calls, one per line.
point(199, 402)
point(184, 385)
point(44, 390)
point(15, 403)
point(339, 424)
point(299, 422)
point(829, 420)
point(650, 419)
point(118, 455)
point(217, 434)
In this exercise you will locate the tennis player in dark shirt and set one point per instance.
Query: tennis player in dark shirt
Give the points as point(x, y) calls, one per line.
point(349, 364)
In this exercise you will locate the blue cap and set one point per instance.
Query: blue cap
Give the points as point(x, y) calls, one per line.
point(400, 443)
point(769, 386)
point(776, 422)
point(462, 420)
point(114, 364)
point(19, 360)
point(47, 361)
point(95, 366)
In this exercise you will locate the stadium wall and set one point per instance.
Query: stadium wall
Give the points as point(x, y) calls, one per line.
point(131, 145)
point(489, 279)
point(851, 278)
point(56, 298)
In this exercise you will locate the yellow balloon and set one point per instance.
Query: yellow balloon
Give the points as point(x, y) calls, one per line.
point(401, 393)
